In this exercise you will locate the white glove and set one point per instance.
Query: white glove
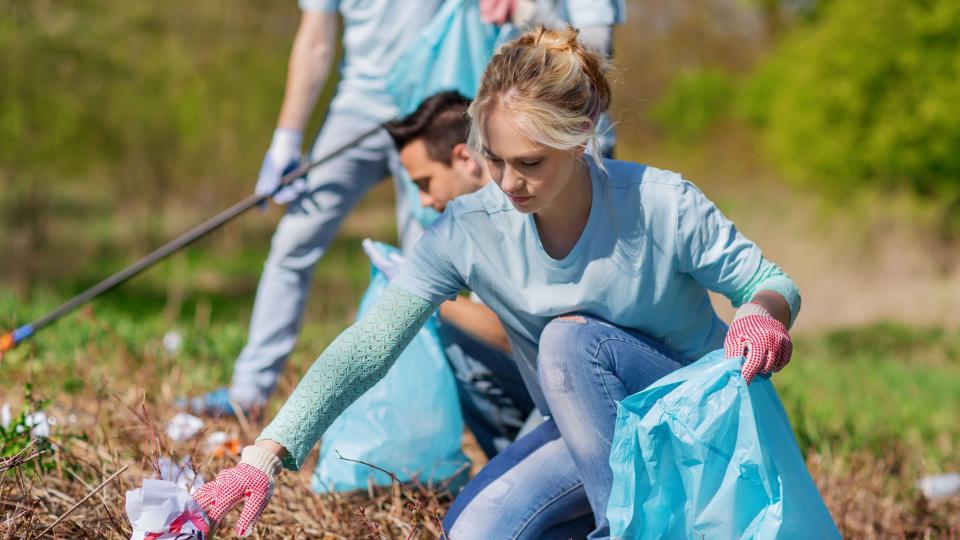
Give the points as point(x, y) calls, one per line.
point(282, 157)
point(387, 262)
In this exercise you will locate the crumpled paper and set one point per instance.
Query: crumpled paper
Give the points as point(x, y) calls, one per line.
point(183, 427)
point(162, 510)
point(38, 422)
point(181, 473)
point(172, 342)
point(219, 443)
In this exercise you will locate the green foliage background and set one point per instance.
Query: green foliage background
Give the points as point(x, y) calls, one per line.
point(856, 95)
point(123, 123)
point(694, 101)
point(150, 94)
point(867, 95)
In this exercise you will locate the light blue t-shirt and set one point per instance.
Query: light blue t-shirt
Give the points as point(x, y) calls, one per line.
point(652, 246)
point(375, 33)
point(580, 13)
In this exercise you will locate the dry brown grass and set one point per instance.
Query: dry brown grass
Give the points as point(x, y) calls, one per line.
point(870, 497)
point(119, 441)
point(125, 437)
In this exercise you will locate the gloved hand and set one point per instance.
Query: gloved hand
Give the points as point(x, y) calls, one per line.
point(759, 337)
point(282, 157)
point(496, 11)
point(252, 479)
point(387, 262)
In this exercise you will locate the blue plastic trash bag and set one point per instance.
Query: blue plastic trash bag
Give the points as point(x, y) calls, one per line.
point(699, 454)
point(409, 423)
point(450, 54)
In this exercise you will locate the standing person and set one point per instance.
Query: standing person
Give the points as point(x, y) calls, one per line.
point(375, 32)
point(599, 271)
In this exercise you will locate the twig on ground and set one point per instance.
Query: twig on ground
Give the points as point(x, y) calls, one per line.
point(81, 501)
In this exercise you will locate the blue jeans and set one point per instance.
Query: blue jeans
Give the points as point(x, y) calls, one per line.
point(493, 397)
point(302, 237)
point(555, 481)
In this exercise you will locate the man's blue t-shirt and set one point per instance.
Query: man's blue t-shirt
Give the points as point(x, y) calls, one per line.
point(375, 33)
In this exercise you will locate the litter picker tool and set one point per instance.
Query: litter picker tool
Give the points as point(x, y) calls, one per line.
point(10, 340)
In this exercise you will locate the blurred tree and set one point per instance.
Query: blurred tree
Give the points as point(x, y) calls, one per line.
point(132, 112)
point(142, 96)
point(866, 94)
point(693, 102)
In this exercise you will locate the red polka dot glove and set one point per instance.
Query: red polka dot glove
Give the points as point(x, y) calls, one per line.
point(763, 340)
point(252, 480)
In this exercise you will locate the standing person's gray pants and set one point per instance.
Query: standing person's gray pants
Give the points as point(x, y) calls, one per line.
point(302, 237)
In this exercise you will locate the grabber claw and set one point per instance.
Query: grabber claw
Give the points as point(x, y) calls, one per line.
point(9, 340)
point(6, 342)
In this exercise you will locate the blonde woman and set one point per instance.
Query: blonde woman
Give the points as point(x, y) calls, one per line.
point(599, 271)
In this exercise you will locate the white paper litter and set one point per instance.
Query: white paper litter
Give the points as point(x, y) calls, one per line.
point(183, 426)
point(38, 422)
point(181, 473)
point(162, 510)
point(939, 486)
point(214, 440)
point(172, 342)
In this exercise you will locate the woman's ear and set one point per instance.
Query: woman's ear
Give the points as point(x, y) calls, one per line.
point(581, 150)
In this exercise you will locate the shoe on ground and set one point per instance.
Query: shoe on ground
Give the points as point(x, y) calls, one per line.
point(213, 404)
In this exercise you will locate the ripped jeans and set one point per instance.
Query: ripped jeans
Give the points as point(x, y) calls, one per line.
point(555, 481)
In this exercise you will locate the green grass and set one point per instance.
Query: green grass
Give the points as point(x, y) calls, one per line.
point(877, 388)
point(204, 292)
point(883, 395)
point(873, 389)
point(125, 327)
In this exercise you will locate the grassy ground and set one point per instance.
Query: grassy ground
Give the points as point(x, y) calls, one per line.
point(873, 406)
point(117, 160)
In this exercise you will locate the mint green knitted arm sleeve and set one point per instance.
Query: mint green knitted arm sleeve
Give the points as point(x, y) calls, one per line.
point(770, 277)
point(353, 363)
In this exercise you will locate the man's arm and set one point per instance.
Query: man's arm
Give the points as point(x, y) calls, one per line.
point(310, 59)
point(477, 320)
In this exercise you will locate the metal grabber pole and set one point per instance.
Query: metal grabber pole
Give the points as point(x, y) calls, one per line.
point(10, 340)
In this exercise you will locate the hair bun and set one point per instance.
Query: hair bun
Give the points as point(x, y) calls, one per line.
point(553, 88)
point(558, 40)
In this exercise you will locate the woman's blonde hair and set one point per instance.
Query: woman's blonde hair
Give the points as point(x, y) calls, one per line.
point(553, 88)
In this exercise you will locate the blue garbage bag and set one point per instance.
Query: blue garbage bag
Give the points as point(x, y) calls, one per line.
point(409, 423)
point(700, 454)
point(450, 54)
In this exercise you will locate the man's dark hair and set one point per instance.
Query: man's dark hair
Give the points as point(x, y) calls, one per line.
point(440, 121)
